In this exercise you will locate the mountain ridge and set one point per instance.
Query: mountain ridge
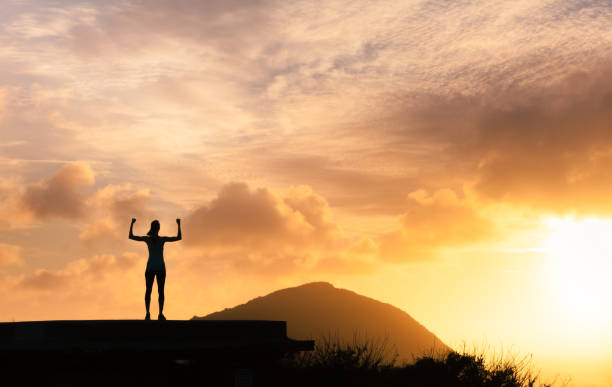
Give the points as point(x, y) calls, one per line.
point(317, 309)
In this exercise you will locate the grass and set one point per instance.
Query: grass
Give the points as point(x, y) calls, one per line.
point(374, 362)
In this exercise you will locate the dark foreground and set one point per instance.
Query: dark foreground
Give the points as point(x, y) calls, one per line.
point(134, 352)
point(223, 353)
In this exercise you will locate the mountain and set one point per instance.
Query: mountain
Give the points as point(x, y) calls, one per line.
point(319, 309)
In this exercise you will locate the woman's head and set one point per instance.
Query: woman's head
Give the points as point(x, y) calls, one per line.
point(154, 228)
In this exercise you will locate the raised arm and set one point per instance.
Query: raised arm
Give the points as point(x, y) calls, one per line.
point(178, 236)
point(134, 237)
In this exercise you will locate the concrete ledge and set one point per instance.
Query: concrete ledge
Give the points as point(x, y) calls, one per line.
point(190, 339)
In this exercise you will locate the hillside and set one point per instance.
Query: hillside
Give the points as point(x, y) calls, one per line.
point(318, 308)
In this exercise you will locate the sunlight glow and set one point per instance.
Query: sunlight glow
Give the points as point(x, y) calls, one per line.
point(580, 269)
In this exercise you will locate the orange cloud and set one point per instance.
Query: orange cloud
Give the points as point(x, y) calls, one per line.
point(432, 222)
point(3, 98)
point(344, 184)
point(122, 202)
point(548, 147)
point(106, 264)
point(345, 265)
point(102, 214)
point(260, 218)
point(110, 210)
point(60, 196)
point(80, 271)
point(45, 280)
point(10, 255)
point(99, 230)
point(270, 234)
point(107, 285)
point(552, 150)
point(10, 215)
point(131, 28)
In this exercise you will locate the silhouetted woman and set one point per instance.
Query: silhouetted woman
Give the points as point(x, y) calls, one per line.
point(155, 265)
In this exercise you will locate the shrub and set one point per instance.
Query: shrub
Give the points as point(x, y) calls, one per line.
point(373, 362)
point(362, 353)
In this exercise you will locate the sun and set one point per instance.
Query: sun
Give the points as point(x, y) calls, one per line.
point(579, 267)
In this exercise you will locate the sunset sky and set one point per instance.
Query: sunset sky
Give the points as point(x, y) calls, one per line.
point(452, 158)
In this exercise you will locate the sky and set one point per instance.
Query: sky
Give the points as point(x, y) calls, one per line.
point(451, 158)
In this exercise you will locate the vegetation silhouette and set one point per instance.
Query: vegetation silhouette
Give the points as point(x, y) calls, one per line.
point(156, 267)
point(362, 362)
point(367, 362)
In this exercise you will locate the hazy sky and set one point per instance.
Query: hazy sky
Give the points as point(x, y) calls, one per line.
point(449, 157)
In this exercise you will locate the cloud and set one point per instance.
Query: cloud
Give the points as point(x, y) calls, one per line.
point(67, 195)
point(10, 214)
point(281, 264)
point(122, 202)
point(315, 210)
point(99, 286)
point(133, 27)
point(433, 222)
point(110, 210)
point(45, 280)
point(265, 233)
point(98, 231)
point(282, 83)
point(78, 273)
point(3, 97)
point(107, 264)
point(554, 153)
point(345, 266)
point(10, 255)
point(549, 148)
point(61, 195)
point(345, 186)
point(261, 218)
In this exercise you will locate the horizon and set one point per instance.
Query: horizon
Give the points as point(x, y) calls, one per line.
point(450, 159)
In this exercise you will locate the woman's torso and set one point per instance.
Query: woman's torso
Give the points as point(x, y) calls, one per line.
point(156, 253)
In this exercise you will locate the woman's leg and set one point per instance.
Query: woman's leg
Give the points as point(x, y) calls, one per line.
point(149, 278)
point(161, 281)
